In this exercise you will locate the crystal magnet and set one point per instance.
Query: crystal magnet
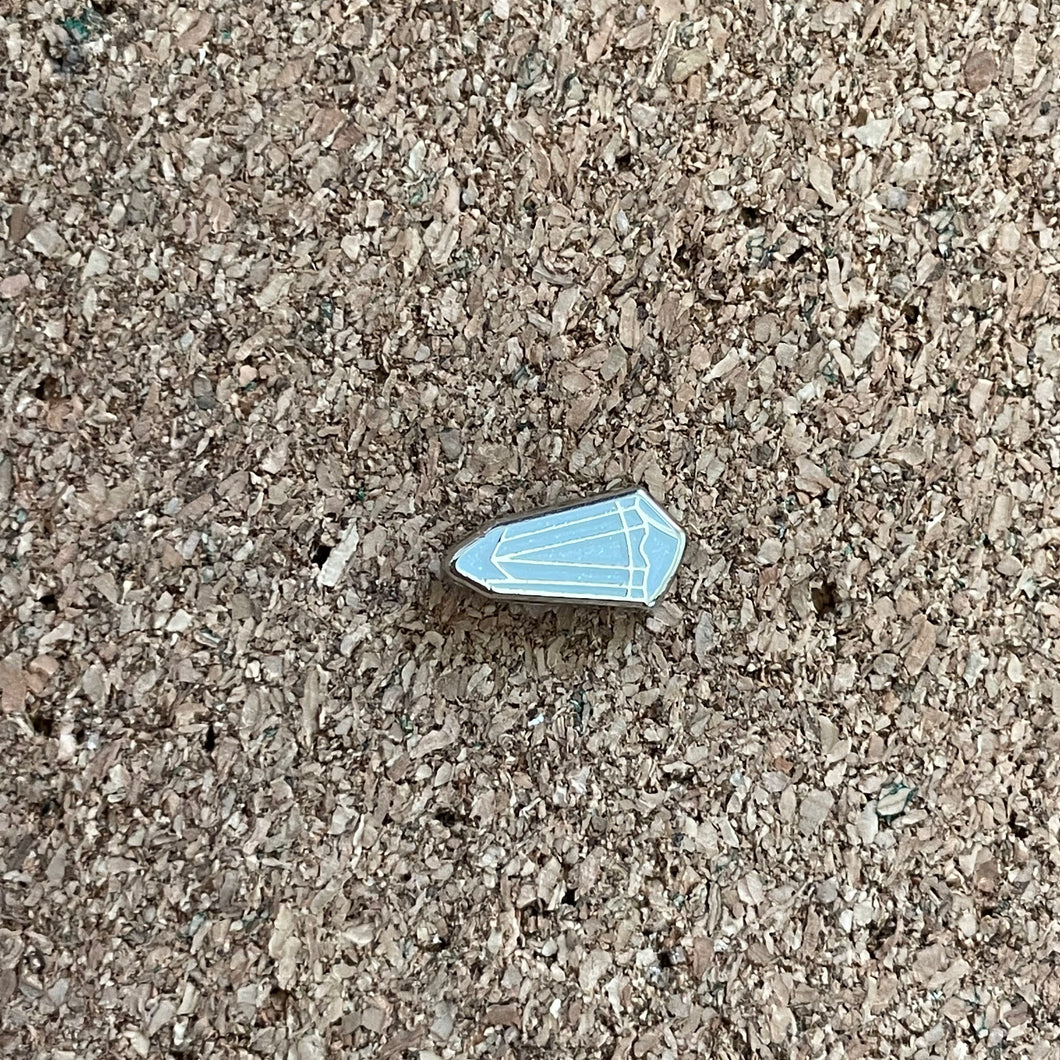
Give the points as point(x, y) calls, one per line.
point(620, 549)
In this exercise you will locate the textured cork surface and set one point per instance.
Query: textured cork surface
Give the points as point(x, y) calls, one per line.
point(294, 295)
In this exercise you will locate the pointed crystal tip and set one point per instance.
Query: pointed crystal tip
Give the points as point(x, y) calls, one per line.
point(620, 549)
point(473, 560)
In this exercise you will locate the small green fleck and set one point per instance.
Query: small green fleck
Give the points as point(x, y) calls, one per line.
point(581, 709)
point(76, 28)
point(207, 637)
point(893, 800)
point(82, 26)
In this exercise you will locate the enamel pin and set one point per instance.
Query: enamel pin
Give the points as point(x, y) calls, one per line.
point(619, 549)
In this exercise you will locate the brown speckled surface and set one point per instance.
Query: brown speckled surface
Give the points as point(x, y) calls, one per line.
point(292, 295)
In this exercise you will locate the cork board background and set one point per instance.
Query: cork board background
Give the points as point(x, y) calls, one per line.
point(292, 295)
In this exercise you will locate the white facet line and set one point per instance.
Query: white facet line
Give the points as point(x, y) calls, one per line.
point(562, 563)
point(629, 553)
point(561, 526)
point(569, 586)
point(576, 541)
point(647, 560)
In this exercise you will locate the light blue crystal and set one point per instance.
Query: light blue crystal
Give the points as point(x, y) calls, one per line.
point(617, 549)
